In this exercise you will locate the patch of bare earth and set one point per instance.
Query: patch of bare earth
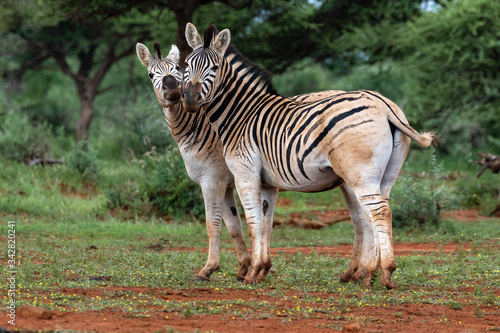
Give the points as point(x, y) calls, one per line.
point(400, 318)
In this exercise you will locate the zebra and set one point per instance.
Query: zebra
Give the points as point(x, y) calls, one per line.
point(199, 148)
point(356, 140)
point(201, 151)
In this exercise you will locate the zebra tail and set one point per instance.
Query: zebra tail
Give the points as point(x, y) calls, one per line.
point(423, 139)
point(398, 119)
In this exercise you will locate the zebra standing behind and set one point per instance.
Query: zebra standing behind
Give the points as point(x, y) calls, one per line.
point(356, 140)
point(201, 151)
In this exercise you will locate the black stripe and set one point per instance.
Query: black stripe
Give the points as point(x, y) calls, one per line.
point(375, 203)
point(394, 113)
point(325, 131)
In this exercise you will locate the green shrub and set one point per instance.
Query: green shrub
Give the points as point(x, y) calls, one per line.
point(20, 139)
point(302, 78)
point(84, 159)
point(415, 203)
point(127, 197)
point(162, 186)
point(417, 199)
point(135, 125)
point(169, 189)
point(454, 305)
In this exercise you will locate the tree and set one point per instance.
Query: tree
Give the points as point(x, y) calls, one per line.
point(451, 55)
point(85, 38)
point(278, 33)
point(184, 12)
point(83, 43)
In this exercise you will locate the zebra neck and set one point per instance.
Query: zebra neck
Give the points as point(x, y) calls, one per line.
point(187, 129)
point(241, 94)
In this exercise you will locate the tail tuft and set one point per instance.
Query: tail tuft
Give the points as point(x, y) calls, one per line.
point(428, 139)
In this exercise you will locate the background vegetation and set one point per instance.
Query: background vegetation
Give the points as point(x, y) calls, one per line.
point(70, 73)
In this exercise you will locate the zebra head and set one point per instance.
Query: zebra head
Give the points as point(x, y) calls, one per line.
point(165, 73)
point(202, 75)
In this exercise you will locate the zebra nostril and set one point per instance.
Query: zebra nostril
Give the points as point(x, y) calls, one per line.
point(199, 98)
point(169, 82)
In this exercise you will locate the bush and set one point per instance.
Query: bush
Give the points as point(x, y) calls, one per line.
point(127, 197)
point(162, 187)
point(303, 78)
point(83, 158)
point(169, 189)
point(135, 125)
point(20, 139)
point(417, 205)
point(417, 200)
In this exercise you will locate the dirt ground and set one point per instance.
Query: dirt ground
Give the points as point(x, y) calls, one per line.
point(401, 318)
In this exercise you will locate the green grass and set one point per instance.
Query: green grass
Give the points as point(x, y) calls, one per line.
point(68, 237)
point(56, 249)
point(102, 254)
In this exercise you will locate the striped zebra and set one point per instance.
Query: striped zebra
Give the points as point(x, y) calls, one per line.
point(356, 140)
point(201, 151)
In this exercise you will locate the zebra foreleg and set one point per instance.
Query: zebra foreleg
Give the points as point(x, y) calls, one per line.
point(233, 223)
point(269, 198)
point(213, 198)
point(250, 193)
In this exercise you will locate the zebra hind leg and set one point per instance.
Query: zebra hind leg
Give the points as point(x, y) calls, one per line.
point(376, 207)
point(363, 240)
point(401, 145)
point(358, 239)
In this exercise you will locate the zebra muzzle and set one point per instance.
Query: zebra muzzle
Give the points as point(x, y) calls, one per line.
point(191, 97)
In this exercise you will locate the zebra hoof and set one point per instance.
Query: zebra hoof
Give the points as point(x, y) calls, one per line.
point(199, 278)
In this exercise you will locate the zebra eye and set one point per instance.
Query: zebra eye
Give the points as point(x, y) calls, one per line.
point(215, 68)
point(151, 75)
point(178, 68)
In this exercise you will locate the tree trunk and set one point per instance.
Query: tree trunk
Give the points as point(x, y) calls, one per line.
point(86, 115)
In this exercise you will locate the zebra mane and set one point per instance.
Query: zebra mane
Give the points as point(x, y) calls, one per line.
point(209, 34)
point(157, 50)
point(263, 74)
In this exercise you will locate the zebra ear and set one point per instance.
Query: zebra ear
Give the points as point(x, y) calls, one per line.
point(143, 54)
point(192, 36)
point(222, 41)
point(174, 53)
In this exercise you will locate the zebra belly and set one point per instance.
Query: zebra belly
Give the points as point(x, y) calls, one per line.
point(320, 177)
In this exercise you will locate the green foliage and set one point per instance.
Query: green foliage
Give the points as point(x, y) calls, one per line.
point(303, 78)
point(84, 159)
point(386, 78)
point(277, 34)
point(417, 201)
point(161, 186)
point(20, 139)
point(453, 61)
point(449, 57)
point(417, 205)
point(127, 197)
point(455, 305)
point(168, 187)
point(134, 125)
